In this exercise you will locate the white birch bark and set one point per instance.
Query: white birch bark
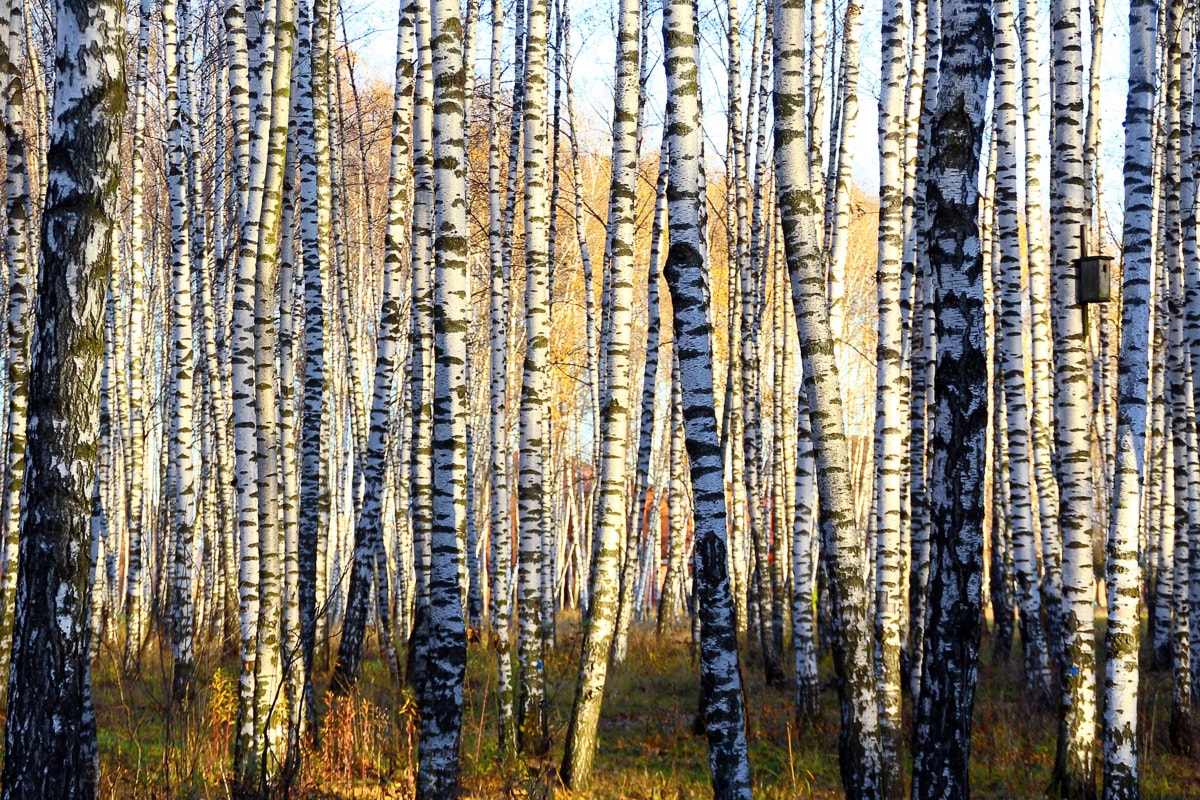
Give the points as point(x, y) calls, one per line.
point(888, 431)
point(1041, 351)
point(942, 717)
point(182, 433)
point(446, 648)
point(859, 744)
point(1012, 342)
point(1074, 773)
point(611, 513)
point(50, 731)
point(687, 277)
point(21, 278)
point(500, 522)
point(1122, 572)
point(532, 731)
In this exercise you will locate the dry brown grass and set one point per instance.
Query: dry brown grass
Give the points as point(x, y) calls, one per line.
point(647, 748)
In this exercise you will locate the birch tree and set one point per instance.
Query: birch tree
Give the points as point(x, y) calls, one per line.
point(368, 531)
point(643, 518)
point(1021, 520)
point(687, 278)
point(312, 71)
point(859, 743)
point(19, 218)
point(611, 514)
point(135, 606)
point(942, 717)
point(889, 435)
point(1074, 773)
point(50, 734)
point(499, 462)
point(532, 732)
point(1178, 48)
point(182, 435)
point(1041, 348)
point(446, 649)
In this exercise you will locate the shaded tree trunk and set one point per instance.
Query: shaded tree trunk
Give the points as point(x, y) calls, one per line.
point(50, 736)
point(942, 717)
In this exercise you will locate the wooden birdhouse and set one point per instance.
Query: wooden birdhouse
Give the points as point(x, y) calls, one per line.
point(1093, 276)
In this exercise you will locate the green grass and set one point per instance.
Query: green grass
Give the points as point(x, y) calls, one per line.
point(647, 748)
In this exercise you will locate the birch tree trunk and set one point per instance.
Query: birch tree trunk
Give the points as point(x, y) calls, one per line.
point(21, 277)
point(1021, 519)
point(859, 745)
point(644, 518)
point(368, 532)
point(50, 735)
point(1041, 349)
point(182, 435)
point(135, 607)
point(421, 382)
point(499, 511)
point(804, 569)
point(839, 219)
point(1074, 773)
point(924, 351)
point(242, 387)
point(942, 717)
point(1177, 52)
point(532, 731)
point(611, 514)
point(446, 649)
point(1122, 572)
point(270, 146)
point(687, 278)
point(312, 70)
point(889, 435)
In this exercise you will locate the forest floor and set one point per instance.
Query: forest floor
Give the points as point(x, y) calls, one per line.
point(647, 748)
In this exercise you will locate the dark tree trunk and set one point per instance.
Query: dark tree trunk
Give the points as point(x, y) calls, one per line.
point(50, 741)
point(942, 730)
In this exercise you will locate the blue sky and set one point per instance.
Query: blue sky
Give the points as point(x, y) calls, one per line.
point(372, 25)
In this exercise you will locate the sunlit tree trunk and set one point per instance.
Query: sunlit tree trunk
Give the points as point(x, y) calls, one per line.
point(135, 603)
point(441, 690)
point(21, 277)
point(923, 352)
point(1074, 773)
point(644, 519)
point(804, 566)
point(671, 601)
point(300, 711)
point(739, 250)
point(421, 307)
point(247, 92)
point(270, 146)
point(1122, 569)
point(1178, 47)
point(888, 432)
point(499, 511)
point(838, 223)
point(859, 745)
point(1041, 353)
point(1021, 515)
point(532, 732)
point(368, 533)
point(312, 70)
point(182, 434)
point(612, 512)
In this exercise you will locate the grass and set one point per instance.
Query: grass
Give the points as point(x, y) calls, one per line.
point(647, 748)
